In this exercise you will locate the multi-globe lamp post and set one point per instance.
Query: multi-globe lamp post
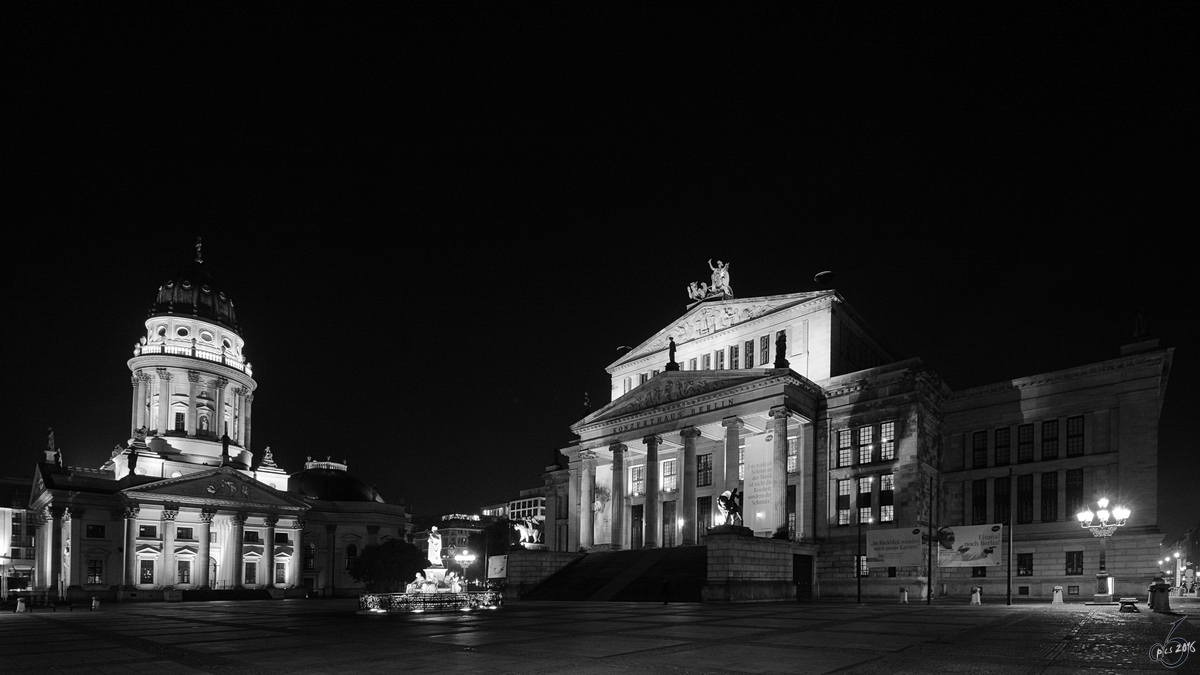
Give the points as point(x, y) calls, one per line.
point(464, 560)
point(1100, 525)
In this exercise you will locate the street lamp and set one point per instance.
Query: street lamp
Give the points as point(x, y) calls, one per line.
point(1099, 525)
point(858, 558)
point(464, 561)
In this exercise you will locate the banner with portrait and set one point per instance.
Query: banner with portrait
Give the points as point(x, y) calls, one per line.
point(970, 545)
point(758, 504)
point(602, 506)
point(894, 548)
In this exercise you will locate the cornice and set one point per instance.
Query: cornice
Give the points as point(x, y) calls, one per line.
point(188, 363)
point(1091, 369)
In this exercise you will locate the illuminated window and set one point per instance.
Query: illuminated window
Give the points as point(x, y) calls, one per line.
point(865, 444)
point(704, 470)
point(95, 571)
point(979, 450)
point(670, 478)
point(793, 454)
point(721, 359)
point(251, 573)
point(639, 479)
point(887, 441)
point(704, 515)
point(733, 357)
point(146, 571)
point(1050, 439)
point(887, 513)
point(707, 361)
point(742, 460)
point(863, 569)
point(280, 573)
point(1075, 436)
point(1003, 439)
point(844, 446)
point(887, 498)
point(183, 533)
point(1025, 443)
point(1024, 564)
point(1074, 562)
point(764, 350)
point(183, 572)
point(147, 531)
point(843, 502)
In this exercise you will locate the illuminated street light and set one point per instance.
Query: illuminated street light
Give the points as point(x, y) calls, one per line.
point(1099, 525)
point(464, 561)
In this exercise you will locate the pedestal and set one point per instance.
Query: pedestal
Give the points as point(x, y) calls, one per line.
point(1103, 595)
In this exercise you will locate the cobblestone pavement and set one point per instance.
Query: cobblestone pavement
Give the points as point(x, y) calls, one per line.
point(328, 636)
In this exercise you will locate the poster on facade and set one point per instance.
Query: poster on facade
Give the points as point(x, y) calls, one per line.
point(497, 567)
point(894, 548)
point(602, 506)
point(969, 545)
point(758, 504)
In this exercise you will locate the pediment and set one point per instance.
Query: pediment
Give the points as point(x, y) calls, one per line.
point(713, 316)
point(220, 487)
point(670, 387)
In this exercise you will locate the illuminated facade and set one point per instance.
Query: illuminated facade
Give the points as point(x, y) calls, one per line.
point(797, 404)
point(181, 506)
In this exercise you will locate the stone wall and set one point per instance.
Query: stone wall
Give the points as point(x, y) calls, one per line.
point(527, 569)
point(744, 568)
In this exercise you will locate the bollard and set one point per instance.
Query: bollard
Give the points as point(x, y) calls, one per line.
point(904, 596)
point(20, 605)
point(1058, 600)
point(95, 603)
point(1160, 597)
point(976, 595)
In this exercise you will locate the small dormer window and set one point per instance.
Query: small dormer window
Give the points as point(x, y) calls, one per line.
point(161, 331)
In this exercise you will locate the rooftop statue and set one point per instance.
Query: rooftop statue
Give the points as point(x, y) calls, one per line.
point(719, 286)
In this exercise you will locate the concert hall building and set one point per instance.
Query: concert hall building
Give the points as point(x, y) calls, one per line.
point(797, 403)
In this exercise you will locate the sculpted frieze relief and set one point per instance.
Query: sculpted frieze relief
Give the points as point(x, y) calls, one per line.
point(707, 321)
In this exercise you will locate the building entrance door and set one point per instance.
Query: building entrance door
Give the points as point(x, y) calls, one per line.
point(635, 539)
point(802, 575)
point(668, 524)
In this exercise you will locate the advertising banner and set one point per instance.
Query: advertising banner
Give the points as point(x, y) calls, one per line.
point(969, 545)
point(498, 567)
point(894, 548)
point(758, 507)
point(602, 506)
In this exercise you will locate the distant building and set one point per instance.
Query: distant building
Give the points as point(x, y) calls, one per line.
point(455, 530)
point(797, 404)
point(18, 525)
point(183, 504)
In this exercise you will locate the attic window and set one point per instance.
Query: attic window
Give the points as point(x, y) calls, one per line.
point(182, 332)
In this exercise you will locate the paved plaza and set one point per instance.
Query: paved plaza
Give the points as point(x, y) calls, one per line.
point(328, 636)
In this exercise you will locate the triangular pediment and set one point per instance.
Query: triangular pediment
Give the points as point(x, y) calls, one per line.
point(714, 316)
point(673, 386)
point(219, 487)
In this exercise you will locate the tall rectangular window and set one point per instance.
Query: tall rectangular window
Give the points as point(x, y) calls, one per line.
point(1074, 562)
point(639, 479)
point(749, 353)
point(251, 573)
point(183, 572)
point(703, 470)
point(1050, 439)
point(793, 454)
point(979, 502)
point(979, 450)
point(789, 508)
point(887, 441)
point(866, 444)
point(670, 480)
point(1001, 500)
point(864, 500)
point(146, 571)
point(669, 524)
point(643, 378)
point(1025, 498)
point(707, 361)
point(280, 573)
point(1003, 439)
point(764, 350)
point(148, 531)
point(179, 421)
point(733, 358)
point(1075, 501)
point(95, 571)
point(1025, 443)
point(887, 498)
point(864, 570)
point(843, 502)
point(720, 359)
point(1024, 564)
point(1049, 496)
point(693, 364)
point(1075, 436)
point(742, 460)
point(704, 515)
point(844, 440)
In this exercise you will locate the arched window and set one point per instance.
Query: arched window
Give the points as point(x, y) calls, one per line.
point(351, 554)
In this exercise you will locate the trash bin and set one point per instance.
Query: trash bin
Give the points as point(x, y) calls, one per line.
point(1160, 597)
point(1058, 599)
point(903, 595)
point(976, 595)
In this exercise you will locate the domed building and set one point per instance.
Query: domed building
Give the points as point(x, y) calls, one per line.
point(184, 505)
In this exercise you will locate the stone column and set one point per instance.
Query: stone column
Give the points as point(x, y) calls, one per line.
point(733, 439)
point(653, 510)
point(56, 549)
point(75, 571)
point(246, 423)
point(297, 560)
point(779, 416)
point(269, 550)
point(236, 537)
point(573, 521)
point(167, 575)
point(39, 567)
point(139, 411)
point(219, 428)
point(687, 492)
point(587, 480)
point(131, 532)
point(618, 495)
point(164, 400)
point(331, 561)
point(133, 410)
point(204, 552)
point(193, 414)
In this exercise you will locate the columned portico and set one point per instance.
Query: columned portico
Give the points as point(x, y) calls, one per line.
point(653, 526)
point(204, 541)
point(779, 416)
point(688, 491)
point(167, 572)
point(587, 470)
point(236, 537)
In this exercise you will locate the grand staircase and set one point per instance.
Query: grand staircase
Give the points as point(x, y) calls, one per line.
point(629, 576)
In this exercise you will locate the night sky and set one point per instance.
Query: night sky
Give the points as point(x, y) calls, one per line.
point(434, 253)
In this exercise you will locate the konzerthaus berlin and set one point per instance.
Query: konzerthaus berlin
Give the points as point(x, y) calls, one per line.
point(794, 401)
point(184, 505)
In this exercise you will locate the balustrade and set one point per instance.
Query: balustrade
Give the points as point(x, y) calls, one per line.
point(225, 359)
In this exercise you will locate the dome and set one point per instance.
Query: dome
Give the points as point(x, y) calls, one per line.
point(192, 293)
point(329, 481)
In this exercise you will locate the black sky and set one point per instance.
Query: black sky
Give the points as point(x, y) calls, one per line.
point(437, 230)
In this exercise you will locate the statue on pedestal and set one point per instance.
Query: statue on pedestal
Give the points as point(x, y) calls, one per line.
point(729, 504)
point(435, 547)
